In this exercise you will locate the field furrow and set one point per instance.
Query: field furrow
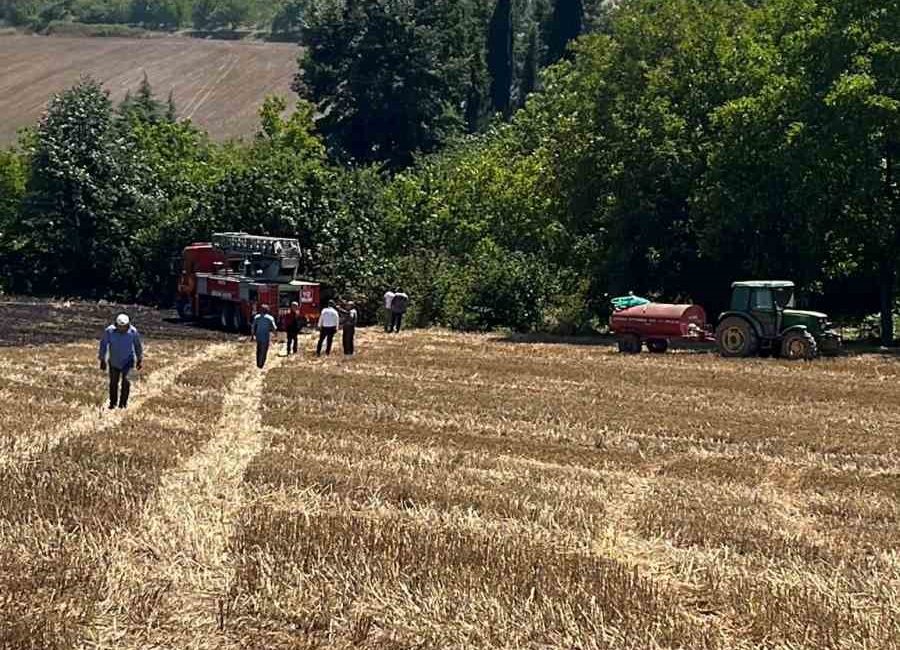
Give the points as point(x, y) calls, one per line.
point(39, 435)
point(61, 513)
point(169, 577)
point(218, 84)
point(445, 490)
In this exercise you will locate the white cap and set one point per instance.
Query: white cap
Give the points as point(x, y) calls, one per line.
point(122, 320)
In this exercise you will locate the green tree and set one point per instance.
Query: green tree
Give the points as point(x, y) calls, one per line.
point(71, 220)
point(13, 179)
point(388, 77)
point(530, 68)
point(288, 19)
point(202, 13)
point(500, 56)
point(230, 14)
point(566, 23)
point(143, 105)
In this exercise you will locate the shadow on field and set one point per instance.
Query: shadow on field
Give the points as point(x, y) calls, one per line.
point(536, 337)
point(850, 348)
point(597, 340)
point(31, 321)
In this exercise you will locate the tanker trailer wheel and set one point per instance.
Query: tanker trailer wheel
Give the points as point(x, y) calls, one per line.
point(735, 337)
point(799, 345)
point(630, 343)
point(658, 346)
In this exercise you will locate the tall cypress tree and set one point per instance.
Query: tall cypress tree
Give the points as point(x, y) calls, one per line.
point(529, 68)
point(566, 24)
point(171, 112)
point(500, 56)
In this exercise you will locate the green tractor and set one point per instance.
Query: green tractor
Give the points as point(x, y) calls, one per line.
point(762, 320)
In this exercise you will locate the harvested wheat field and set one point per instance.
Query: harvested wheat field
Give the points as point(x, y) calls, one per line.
point(219, 85)
point(446, 491)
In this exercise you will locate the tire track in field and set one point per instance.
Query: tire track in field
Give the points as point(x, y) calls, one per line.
point(169, 576)
point(203, 94)
point(96, 418)
point(655, 559)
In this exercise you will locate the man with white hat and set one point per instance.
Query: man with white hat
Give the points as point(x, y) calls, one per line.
point(121, 350)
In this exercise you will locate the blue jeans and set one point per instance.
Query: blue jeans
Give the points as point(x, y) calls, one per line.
point(117, 376)
point(262, 352)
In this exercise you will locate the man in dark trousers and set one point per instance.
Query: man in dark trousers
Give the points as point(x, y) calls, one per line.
point(263, 331)
point(292, 323)
point(120, 350)
point(399, 303)
point(329, 320)
point(349, 330)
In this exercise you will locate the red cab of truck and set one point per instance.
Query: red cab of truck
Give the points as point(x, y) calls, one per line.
point(229, 277)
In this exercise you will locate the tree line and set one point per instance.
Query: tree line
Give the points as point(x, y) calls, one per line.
point(282, 16)
point(671, 148)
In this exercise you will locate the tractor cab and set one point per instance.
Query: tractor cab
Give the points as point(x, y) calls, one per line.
point(763, 319)
point(764, 302)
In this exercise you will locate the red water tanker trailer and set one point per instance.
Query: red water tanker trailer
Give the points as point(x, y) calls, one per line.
point(656, 324)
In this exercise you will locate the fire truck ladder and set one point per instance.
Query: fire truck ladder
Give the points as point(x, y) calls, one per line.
point(242, 243)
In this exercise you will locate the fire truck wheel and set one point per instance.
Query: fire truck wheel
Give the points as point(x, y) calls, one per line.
point(227, 317)
point(185, 310)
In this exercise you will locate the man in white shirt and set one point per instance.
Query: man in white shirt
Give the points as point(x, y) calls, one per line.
point(329, 320)
point(399, 303)
point(388, 299)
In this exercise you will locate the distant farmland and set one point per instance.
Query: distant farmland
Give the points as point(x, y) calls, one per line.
point(217, 84)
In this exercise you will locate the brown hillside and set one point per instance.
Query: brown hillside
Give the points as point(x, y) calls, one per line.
point(217, 84)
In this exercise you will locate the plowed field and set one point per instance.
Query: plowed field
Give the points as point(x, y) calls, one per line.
point(220, 85)
point(440, 490)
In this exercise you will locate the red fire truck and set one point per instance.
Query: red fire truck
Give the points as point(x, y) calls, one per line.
point(229, 277)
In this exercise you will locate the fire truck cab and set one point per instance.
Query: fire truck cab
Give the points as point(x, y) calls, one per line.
point(228, 278)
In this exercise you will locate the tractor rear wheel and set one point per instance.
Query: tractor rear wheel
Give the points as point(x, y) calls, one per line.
point(799, 345)
point(657, 346)
point(735, 337)
point(630, 343)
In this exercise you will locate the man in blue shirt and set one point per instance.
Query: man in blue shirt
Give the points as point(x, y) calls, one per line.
point(263, 329)
point(121, 350)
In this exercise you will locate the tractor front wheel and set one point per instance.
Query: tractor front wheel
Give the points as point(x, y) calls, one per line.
point(735, 337)
point(799, 345)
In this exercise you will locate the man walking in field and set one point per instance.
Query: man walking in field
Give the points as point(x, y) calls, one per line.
point(292, 327)
point(388, 299)
point(263, 331)
point(399, 303)
point(349, 330)
point(120, 350)
point(329, 320)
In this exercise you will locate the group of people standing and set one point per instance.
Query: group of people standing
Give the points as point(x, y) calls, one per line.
point(395, 305)
point(121, 348)
point(331, 319)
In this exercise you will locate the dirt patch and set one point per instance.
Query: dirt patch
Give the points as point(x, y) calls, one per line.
point(29, 321)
